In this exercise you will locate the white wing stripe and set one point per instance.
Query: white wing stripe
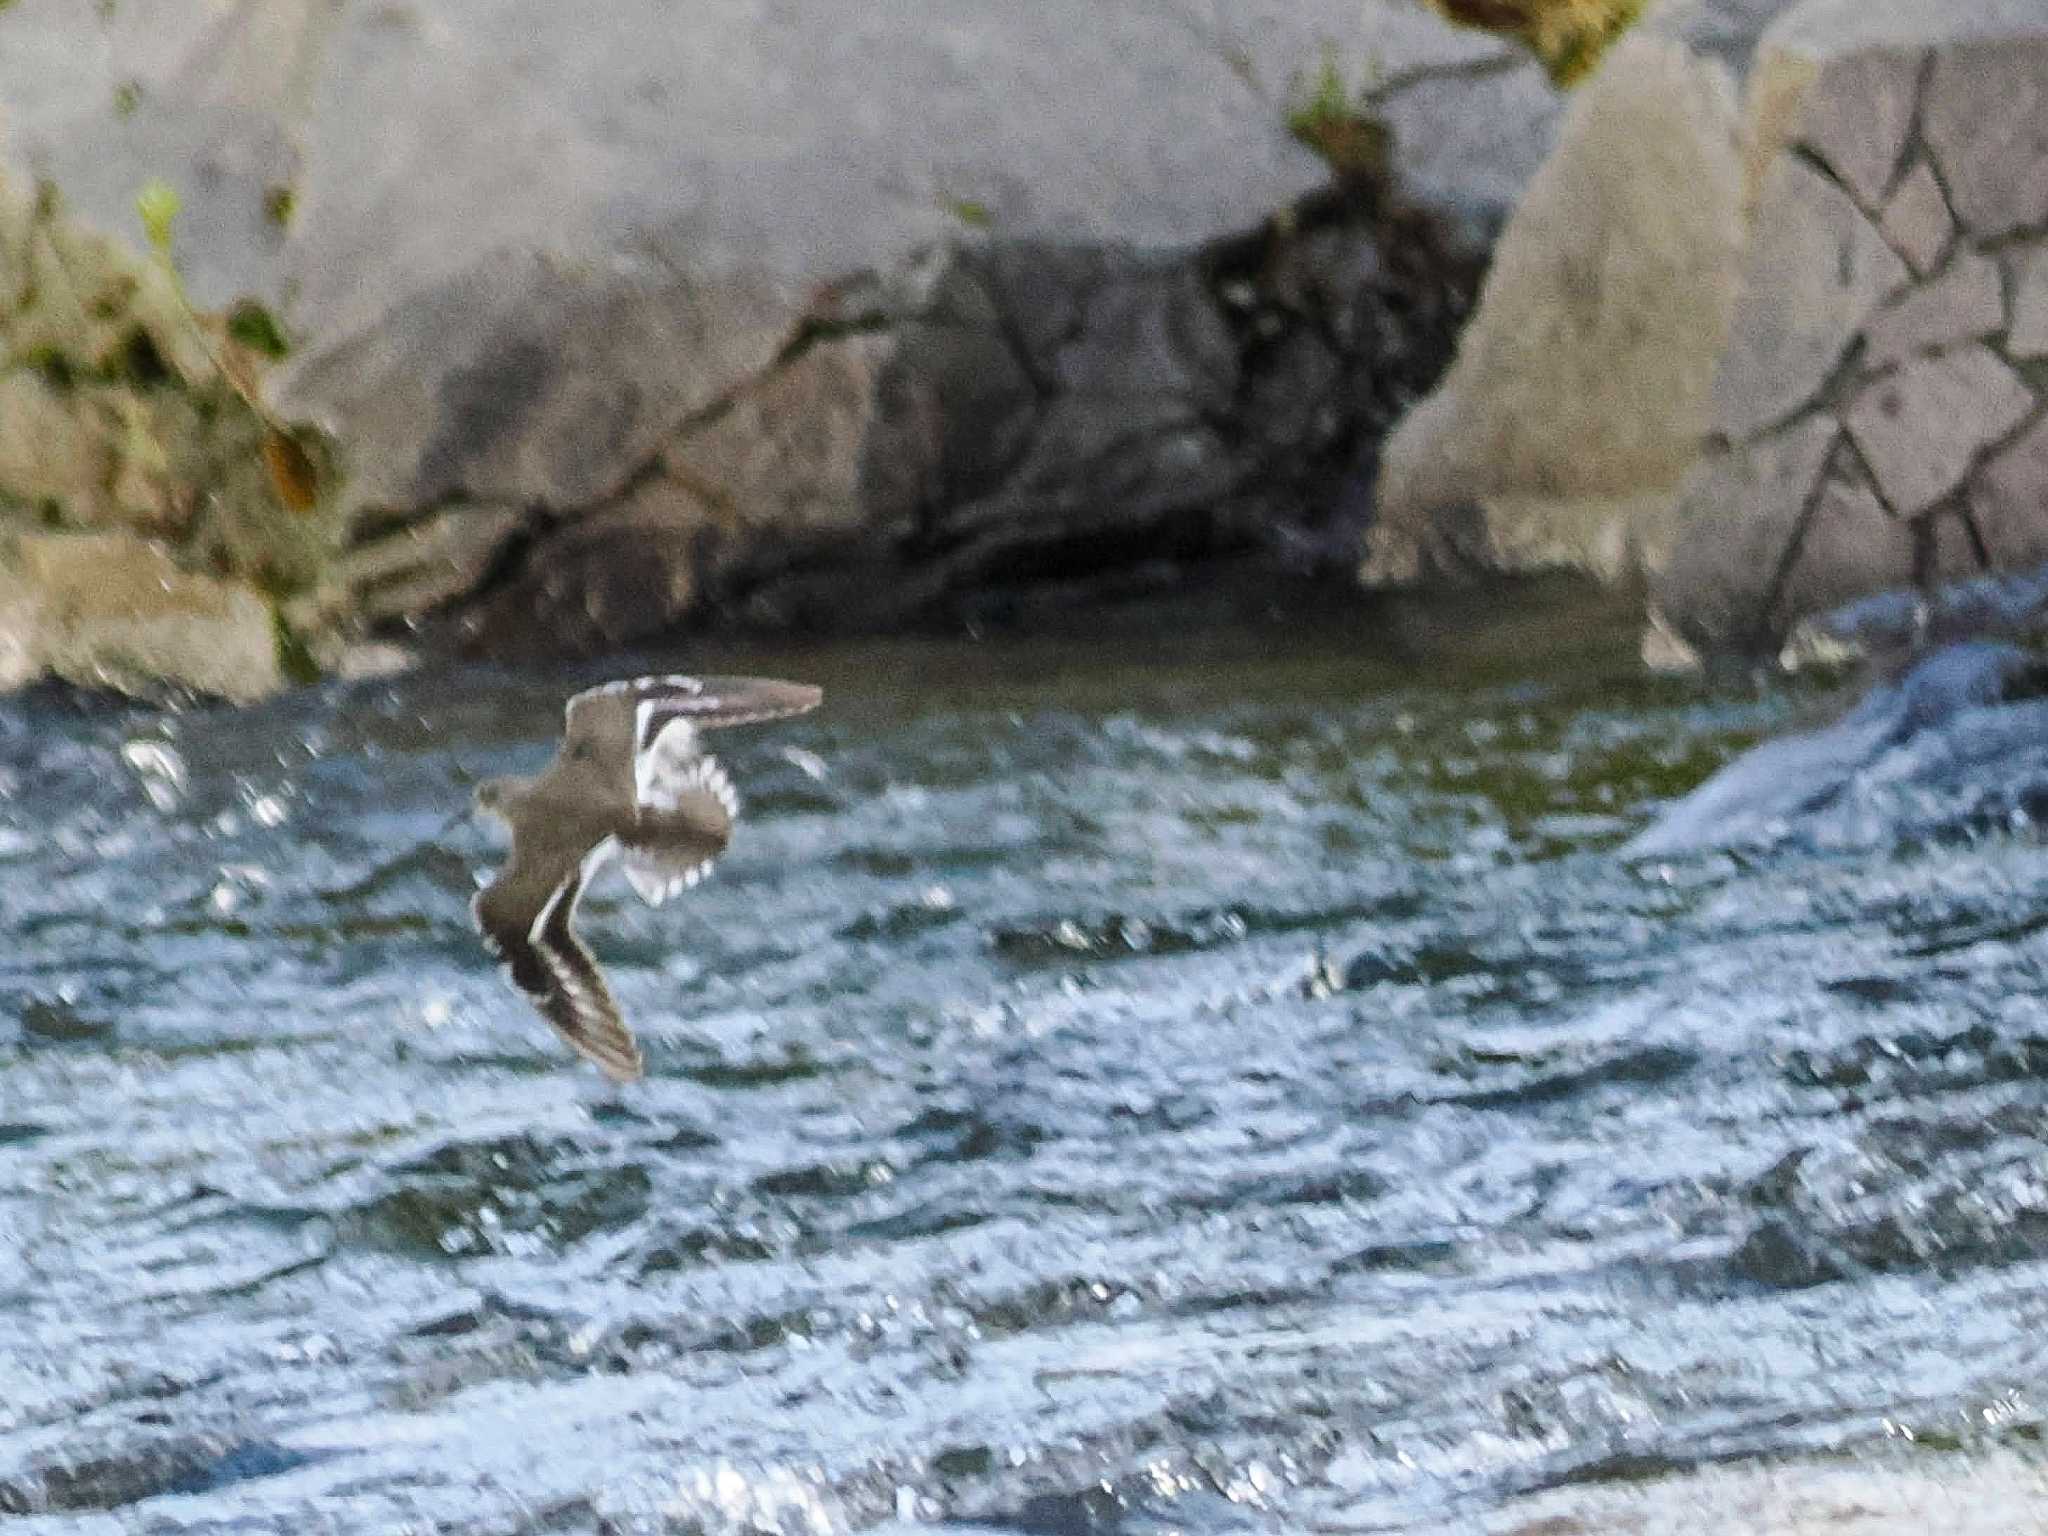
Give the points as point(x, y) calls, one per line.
point(676, 680)
point(541, 918)
point(593, 861)
point(673, 768)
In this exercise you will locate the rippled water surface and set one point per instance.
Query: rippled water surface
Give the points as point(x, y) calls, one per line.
point(1163, 1083)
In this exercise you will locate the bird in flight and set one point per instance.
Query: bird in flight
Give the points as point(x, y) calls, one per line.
point(630, 779)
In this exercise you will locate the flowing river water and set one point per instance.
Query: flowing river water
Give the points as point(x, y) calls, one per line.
point(1196, 1079)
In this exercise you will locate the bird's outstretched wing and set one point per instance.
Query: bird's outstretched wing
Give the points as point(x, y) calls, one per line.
point(581, 1005)
point(706, 702)
point(684, 810)
point(525, 917)
point(684, 804)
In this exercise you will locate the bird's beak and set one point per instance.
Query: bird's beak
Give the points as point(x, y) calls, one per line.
point(458, 818)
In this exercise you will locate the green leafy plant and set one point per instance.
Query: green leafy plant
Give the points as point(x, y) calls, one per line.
point(297, 463)
point(296, 459)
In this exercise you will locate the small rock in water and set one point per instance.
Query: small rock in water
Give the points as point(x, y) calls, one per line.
point(57, 1021)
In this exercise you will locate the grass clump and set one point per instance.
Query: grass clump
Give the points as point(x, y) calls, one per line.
point(1340, 122)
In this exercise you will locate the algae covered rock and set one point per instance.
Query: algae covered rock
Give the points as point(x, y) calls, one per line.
point(153, 514)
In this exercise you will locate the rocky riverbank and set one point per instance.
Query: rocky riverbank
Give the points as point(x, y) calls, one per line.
point(777, 320)
point(781, 319)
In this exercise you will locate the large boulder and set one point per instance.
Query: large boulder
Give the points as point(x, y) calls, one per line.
point(1580, 391)
point(799, 311)
point(112, 611)
point(1878, 415)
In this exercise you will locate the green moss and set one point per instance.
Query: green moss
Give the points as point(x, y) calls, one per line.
point(137, 361)
point(127, 96)
point(1340, 123)
point(975, 215)
point(279, 202)
point(257, 329)
point(168, 400)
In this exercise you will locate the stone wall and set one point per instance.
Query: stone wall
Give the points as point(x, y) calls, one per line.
point(1769, 361)
point(1878, 414)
